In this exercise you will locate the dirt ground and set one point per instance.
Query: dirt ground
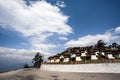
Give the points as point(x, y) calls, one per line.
point(37, 74)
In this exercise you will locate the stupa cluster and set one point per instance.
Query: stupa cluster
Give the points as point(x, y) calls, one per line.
point(85, 54)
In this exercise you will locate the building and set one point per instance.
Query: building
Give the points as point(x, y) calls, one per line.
point(85, 54)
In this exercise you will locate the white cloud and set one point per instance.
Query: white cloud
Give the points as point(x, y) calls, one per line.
point(12, 58)
point(15, 53)
point(45, 47)
point(40, 42)
point(37, 22)
point(21, 53)
point(60, 4)
point(117, 30)
point(88, 40)
point(63, 38)
point(38, 18)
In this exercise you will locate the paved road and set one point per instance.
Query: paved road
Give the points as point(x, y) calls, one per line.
point(35, 74)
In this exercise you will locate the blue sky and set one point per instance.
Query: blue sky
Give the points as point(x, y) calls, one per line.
point(99, 15)
point(51, 26)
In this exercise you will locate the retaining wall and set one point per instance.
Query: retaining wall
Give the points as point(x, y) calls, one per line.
point(92, 68)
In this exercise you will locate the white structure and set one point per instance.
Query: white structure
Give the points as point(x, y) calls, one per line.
point(61, 56)
point(77, 51)
point(117, 56)
point(78, 58)
point(110, 56)
point(66, 60)
point(73, 55)
point(94, 57)
point(96, 53)
point(103, 53)
point(57, 60)
point(83, 54)
point(85, 68)
point(52, 60)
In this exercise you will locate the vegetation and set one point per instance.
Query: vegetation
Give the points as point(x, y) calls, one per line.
point(26, 66)
point(100, 44)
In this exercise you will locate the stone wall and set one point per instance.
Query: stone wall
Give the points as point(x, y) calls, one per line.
point(92, 68)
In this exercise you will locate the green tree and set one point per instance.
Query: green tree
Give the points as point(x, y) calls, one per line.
point(100, 44)
point(114, 45)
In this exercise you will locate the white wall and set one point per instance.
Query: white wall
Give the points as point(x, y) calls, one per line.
point(100, 68)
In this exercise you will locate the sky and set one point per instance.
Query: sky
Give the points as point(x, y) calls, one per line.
point(51, 26)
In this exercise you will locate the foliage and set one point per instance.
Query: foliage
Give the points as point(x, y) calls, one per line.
point(26, 66)
point(100, 44)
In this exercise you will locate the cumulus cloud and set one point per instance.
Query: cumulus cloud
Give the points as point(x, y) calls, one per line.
point(11, 58)
point(117, 30)
point(16, 53)
point(88, 40)
point(37, 22)
point(20, 54)
point(39, 18)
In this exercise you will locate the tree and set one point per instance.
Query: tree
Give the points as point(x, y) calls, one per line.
point(100, 44)
point(118, 47)
point(110, 46)
point(114, 45)
point(26, 66)
point(37, 60)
